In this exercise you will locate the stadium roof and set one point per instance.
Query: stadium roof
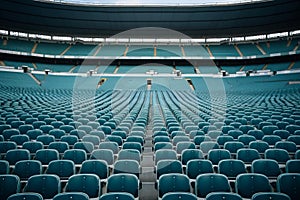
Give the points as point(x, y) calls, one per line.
point(196, 21)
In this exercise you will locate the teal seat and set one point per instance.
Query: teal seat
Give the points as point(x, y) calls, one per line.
point(117, 195)
point(168, 166)
point(196, 167)
point(26, 168)
point(223, 196)
point(209, 182)
point(103, 154)
point(270, 195)
point(293, 166)
point(76, 155)
point(98, 167)
point(123, 183)
point(267, 167)
point(62, 168)
point(45, 156)
point(216, 155)
point(289, 184)
point(15, 155)
point(173, 183)
point(86, 183)
point(191, 154)
point(127, 166)
point(231, 167)
point(179, 196)
point(25, 196)
point(9, 185)
point(48, 185)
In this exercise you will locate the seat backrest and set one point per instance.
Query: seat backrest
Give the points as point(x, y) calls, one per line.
point(190, 154)
point(87, 183)
point(280, 155)
point(210, 182)
point(129, 154)
point(223, 195)
point(260, 146)
point(231, 167)
point(179, 196)
point(123, 183)
point(270, 195)
point(70, 139)
point(25, 196)
point(45, 139)
point(247, 155)
point(163, 145)
point(61, 168)
point(71, 195)
point(292, 166)
point(233, 146)
point(15, 155)
point(61, 147)
point(206, 146)
point(165, 154)
point(103, 154)
point(132, 145)
point(33, 146)
point(48, 185)
point(9, 184)
point(76, 155)
point(6, 146)
point(250, 183)
point(216, 155)
point(98, 167)
point(27, 168)
point(287, 145)
point(127, 166)
point(267, 167)
point(196, 167)
point(168, 166)
point(46, 155)
point(4, 167)
point(173, 183)
point(117, 195)
point(110, 145)
point(87, 146)
point(289, 184)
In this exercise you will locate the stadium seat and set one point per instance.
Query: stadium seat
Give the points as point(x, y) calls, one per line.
point(123, 183)
point(216, 155)
point(127, 166)
point(88, 147)
point(292, 166)
point(114, 138)
point(209, 182)
point(129, 154)
point(173, 183)
point(196, 167)
point(33, 146)
point(45, 139)
point(86, 183)
point(4, 167)
point(223, 196)
point(110, 145)
point(117, 195)
point(287, 145)
point(164, 154)
point(280, 155)
point(163, 145)
point(48, 185)
point(25, 196)
point(231, 168)
point(45, 156)
point(191, 154)
point(179, 196)
point(247, 155)
point(98, 167)
point(289, 184)
point(267, 167)
point(26, 168)
point(271, 139)
point(15, 155)
point(270, 195)
point(168, 166)
point(76, 155)
point(71, 195)
point(250, 183)
point(62, 168)
point(9, 184)
point(103, 154)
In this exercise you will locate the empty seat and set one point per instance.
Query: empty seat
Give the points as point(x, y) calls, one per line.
point(127, 166)
point(19, 139)
point(196, 167)
point(179, 196)
point(222, 139)
point(110, 145)
point(233, 146)
point(235, 133)
point(95, 140)
point(168, 166)
point(216, 155)
point(6, 146)
point(33, 146)
point(48, 185)
point(280, 155)
point(117, 195)
point(258, 134)
point(123, 183)
point(247, 155)
point(295, 139)
point(129, 154)
point(269, 129)
point(164, 154)
point(289, 184)
point(114, 138)
point(248, 184)
point(267, 167)
point(163, 145)
point(71, 195)
point(25, 196)
point(181, 146)
point(45, 139)
point(270, 195)
point(9, 184)
point(292, 166)
point(231, 167)
point(15, 155)
point(62, 168)
point(4, 167)
point(98, 167)
point(10, 132)
point(173, 183)
point(206, 146)
point(190, 154)
point(283, 134)
point(201, 138)
point(76, 155)
point(223, 196)
point(103, 154)
point(27, 168)
point(161, 139)
point(70, 139)
point(287, 145)
point(207, 183)
point(33, 134)
point(46, 155)
point(88, 147)
point(57, 133)
point(260, 146)
point(246, 139)
point(271, 139)
point(86, 183)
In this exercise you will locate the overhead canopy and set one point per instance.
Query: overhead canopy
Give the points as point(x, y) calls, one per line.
point(258, 17)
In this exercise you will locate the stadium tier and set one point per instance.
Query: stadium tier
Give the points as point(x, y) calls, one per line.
point(169, 101)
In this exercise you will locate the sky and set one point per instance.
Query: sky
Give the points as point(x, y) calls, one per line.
point(154, 1)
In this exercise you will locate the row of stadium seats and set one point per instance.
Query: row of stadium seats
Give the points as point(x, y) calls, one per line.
point(79, 49)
